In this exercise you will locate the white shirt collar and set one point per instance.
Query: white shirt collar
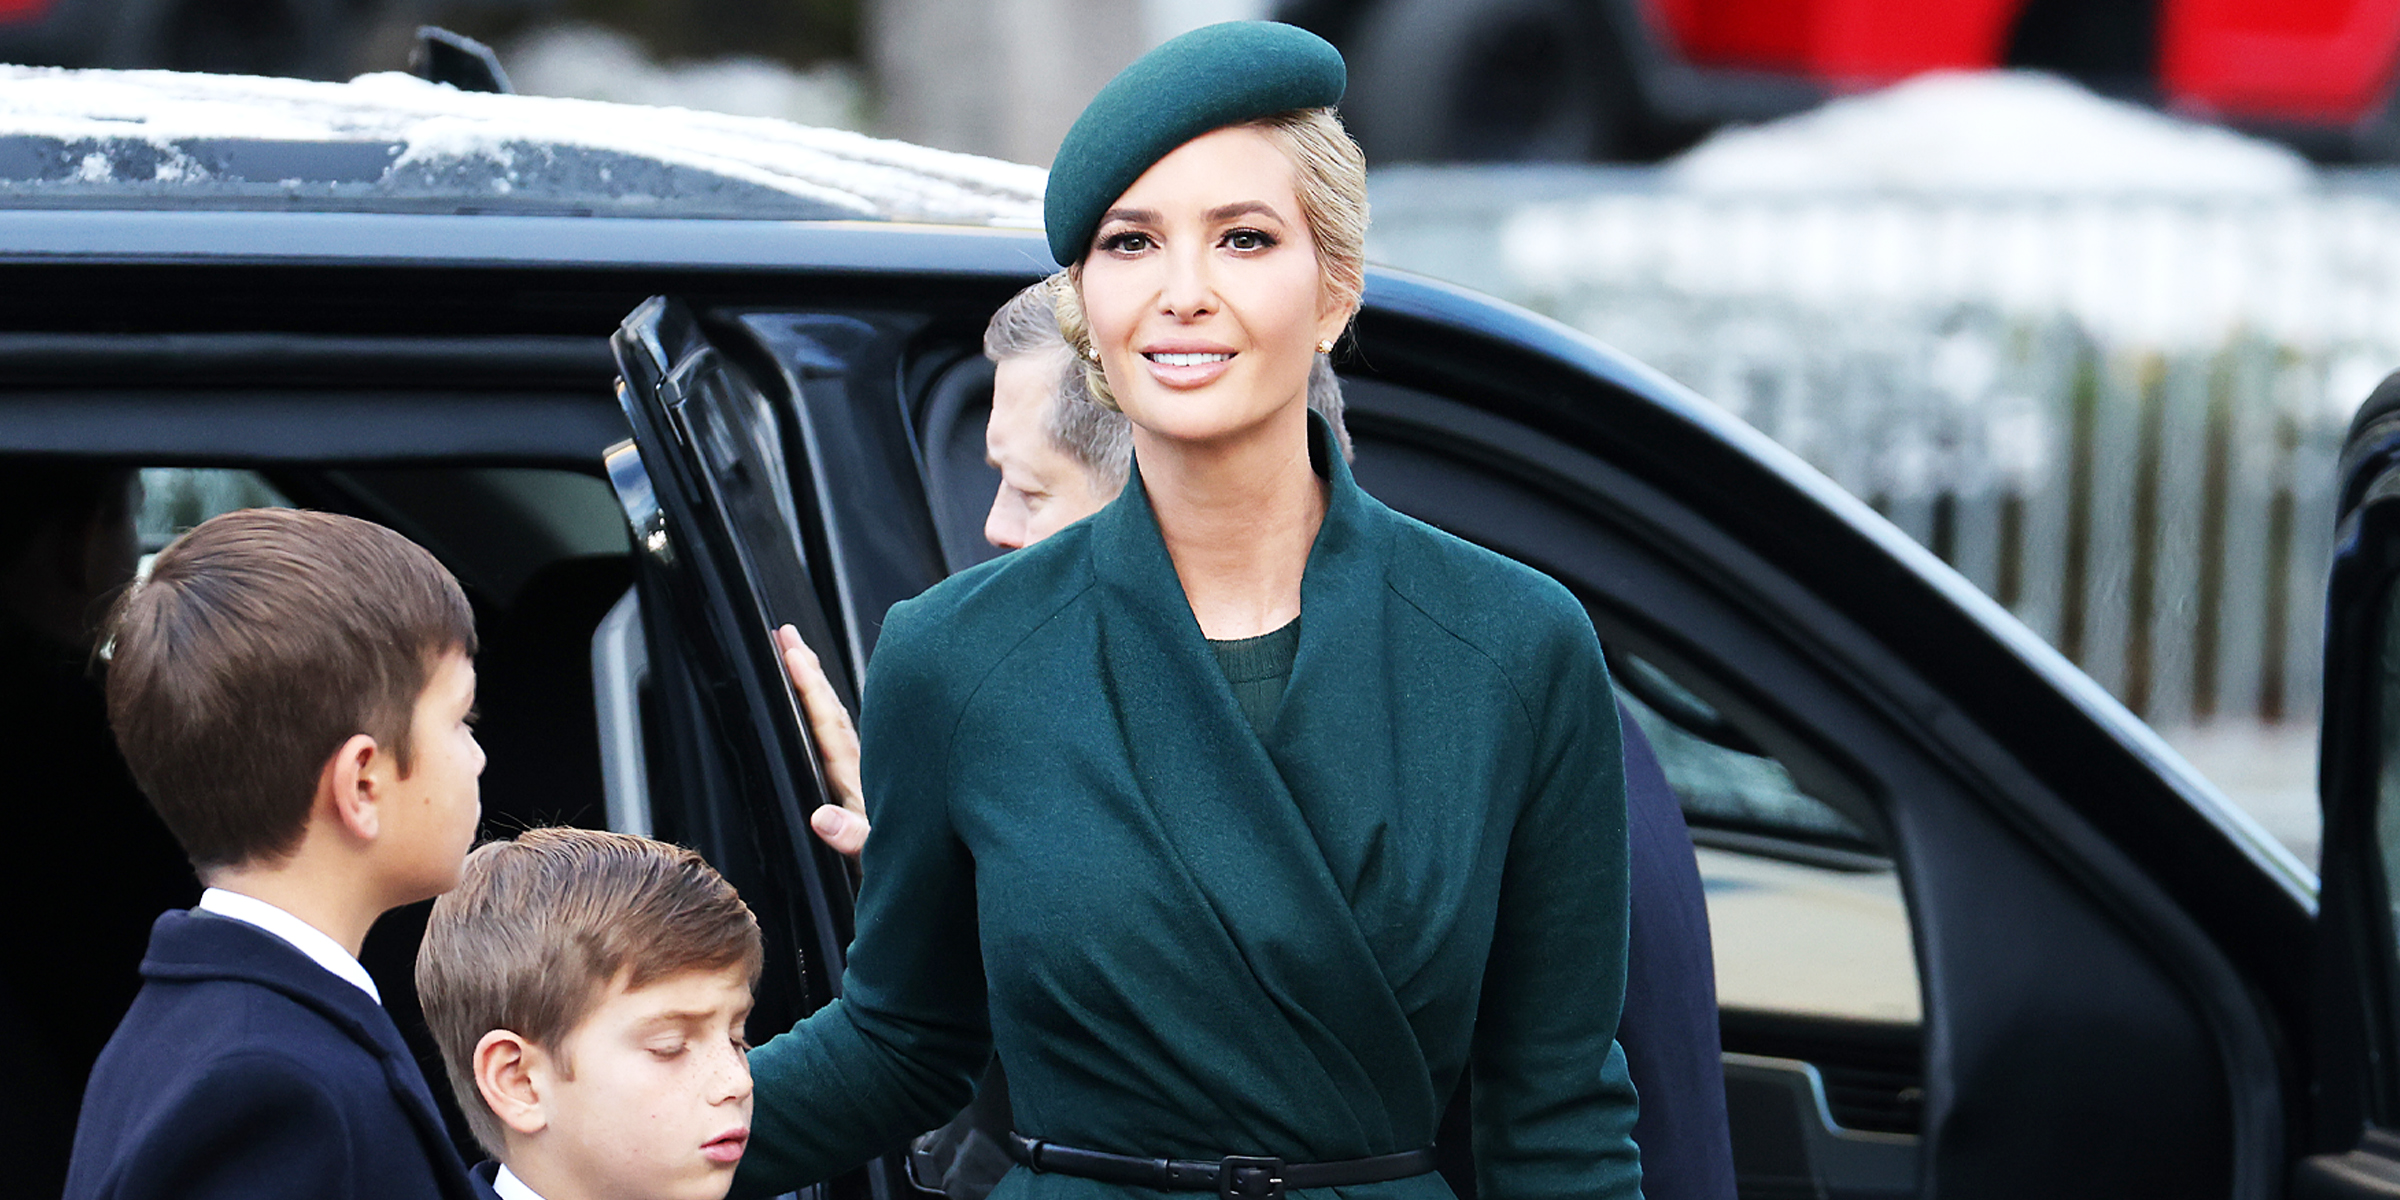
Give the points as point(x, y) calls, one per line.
point(304, 937)
point(512, 1188)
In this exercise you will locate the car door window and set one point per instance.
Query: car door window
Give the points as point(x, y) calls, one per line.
point(1805, 911)
point(1724, 779)
point(176, 498)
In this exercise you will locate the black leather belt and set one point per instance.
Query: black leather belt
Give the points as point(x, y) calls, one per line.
point(1230, 1177)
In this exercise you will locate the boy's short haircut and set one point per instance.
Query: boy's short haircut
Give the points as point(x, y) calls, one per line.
point(539, 928)
point(261, 641)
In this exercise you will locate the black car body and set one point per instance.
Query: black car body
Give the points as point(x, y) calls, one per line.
point(2121, 985)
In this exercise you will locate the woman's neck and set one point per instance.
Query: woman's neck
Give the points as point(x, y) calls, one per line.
point(1238, 517)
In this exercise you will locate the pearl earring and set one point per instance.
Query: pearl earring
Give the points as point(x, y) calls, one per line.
point(1325, 347)
point(1092, 353)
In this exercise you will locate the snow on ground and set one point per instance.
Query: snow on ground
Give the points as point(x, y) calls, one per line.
point(1847, 278)
point(2309, 270)
point(1993, 133)
point(2018, 191)
point(87, 113)
point(1825, 274)
point(587, 62)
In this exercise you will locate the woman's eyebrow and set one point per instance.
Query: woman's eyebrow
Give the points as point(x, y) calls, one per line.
point(1228, 212)
point(1223, 212)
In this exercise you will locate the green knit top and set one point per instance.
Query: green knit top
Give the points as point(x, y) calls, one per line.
point(1258, 667)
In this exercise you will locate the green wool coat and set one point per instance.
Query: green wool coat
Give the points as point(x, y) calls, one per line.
point(1190, 941)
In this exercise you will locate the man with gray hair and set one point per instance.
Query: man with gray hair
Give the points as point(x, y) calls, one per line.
point(1060, 454)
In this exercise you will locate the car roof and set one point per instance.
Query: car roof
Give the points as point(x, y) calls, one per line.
point(485, 239)
point(87, 139)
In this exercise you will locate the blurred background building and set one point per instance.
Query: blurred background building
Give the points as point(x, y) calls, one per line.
point(2080, 293)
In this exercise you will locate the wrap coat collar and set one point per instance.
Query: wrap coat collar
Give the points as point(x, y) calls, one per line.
point(1230, 801)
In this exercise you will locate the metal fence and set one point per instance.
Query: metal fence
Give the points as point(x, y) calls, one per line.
point(2119, 416)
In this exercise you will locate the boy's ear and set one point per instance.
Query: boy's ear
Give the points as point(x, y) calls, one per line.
point(348, 786)
point(512, 1075)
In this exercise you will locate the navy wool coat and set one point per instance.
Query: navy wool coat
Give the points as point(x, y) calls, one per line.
point(1188, 940)
point(1669, 1031)
point(244, 1069)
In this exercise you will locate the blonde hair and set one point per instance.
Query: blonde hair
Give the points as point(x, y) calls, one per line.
point(1329, 174)
point(539, 928)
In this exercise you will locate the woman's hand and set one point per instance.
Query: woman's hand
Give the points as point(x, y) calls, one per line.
point(842, 825)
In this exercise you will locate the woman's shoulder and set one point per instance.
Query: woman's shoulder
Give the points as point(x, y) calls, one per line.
point(959, 628)
point(1514, 613)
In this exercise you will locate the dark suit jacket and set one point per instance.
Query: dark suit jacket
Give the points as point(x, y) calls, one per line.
point(1669, 1029)
point(244, 1069)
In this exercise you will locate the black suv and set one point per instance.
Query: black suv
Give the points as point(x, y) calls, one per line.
point(1978, 931)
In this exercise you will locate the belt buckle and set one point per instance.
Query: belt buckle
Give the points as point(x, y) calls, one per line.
point(1240, 1177)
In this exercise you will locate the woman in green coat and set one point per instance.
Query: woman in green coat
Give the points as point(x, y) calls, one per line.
point(1247, 816)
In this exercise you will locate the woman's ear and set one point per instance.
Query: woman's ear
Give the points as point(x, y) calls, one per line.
point(1334, 317)
point(513, 1075)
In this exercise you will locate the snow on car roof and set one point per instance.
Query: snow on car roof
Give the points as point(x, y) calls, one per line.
point(393, 141)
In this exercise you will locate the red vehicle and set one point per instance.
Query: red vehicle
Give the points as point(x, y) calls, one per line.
point(1568, 80)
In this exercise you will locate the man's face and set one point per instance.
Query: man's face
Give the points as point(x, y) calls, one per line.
point(434, 808)
point(1042, 488)
point(649, 1096)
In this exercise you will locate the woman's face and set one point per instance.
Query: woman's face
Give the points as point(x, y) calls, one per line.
point(1203, 291)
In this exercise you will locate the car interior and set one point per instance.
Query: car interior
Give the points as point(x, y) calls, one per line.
point(502, 476)
point(541, 553)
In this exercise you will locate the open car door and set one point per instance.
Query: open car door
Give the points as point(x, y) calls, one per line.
point(2355, 1133)
point(728, 508)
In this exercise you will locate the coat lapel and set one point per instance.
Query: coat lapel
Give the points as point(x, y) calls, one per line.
point(1252, 843)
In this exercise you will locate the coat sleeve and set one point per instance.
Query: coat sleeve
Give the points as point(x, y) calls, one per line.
point(898, 1053)
point(252, 1124)
point(1553, 1107)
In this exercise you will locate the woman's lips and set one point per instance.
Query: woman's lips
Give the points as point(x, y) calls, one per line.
point(726, 1147)
point(1182, 368)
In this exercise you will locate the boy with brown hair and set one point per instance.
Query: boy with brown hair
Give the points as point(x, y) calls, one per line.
point(588, 991)
point(292, 691)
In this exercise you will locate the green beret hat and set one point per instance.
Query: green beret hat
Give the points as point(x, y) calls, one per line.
point(1212, 77)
